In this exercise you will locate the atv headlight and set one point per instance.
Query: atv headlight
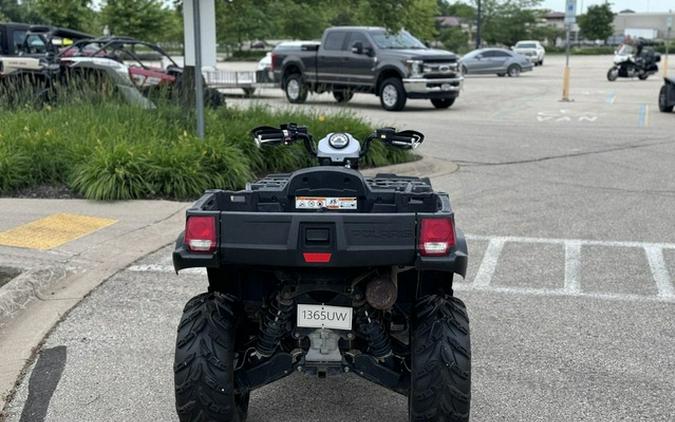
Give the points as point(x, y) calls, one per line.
point(338, 140)
point(416, 68)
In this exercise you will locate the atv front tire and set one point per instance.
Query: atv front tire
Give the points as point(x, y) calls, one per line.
point(204, 365)
point(440, 350)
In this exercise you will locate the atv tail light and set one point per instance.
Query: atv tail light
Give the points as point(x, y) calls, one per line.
point(200, 233)
point(317, 257)
point(437, 236)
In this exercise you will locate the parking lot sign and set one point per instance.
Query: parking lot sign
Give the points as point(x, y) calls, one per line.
point(570, 12)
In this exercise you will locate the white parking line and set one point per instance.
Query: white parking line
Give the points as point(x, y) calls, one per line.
point(527, 291)
point(660, 272)
point(489, 264)
point(572, 263)
point(573, 255)
point(583, 242)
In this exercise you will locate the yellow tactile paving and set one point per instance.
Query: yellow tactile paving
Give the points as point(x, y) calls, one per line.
point(52, 231)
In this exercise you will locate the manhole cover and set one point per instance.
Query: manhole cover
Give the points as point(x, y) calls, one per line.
point(6, 274)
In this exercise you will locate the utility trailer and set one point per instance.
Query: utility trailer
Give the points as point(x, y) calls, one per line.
point(248, 81)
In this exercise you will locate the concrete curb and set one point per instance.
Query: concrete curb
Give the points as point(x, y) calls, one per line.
point(25, 287)
point(22, 335)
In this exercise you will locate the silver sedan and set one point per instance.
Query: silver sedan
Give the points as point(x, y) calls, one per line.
point(495, 61)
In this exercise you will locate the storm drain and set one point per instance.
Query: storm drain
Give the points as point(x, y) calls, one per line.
point(7, 274)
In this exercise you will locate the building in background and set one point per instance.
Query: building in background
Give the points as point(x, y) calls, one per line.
point(646, 25)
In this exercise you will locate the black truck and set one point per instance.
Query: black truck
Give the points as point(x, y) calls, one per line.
point(393, 66)
point(324, 271)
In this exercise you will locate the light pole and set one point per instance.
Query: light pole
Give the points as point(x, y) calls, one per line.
point(570, 19)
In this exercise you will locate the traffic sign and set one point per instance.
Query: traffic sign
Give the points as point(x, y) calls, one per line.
point(570, 12)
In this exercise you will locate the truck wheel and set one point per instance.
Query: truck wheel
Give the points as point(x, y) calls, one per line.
point(541, 62)
point(248, 92)
point(296, 91)
point(203, 368)
point(342, 96)
point(440, 354)
point(612, 74)
point(442, 102)
point(513, 71)
point(392, 95)
point(663, 100)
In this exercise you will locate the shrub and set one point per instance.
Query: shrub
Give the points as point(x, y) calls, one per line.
point(113, 172)
point(14, 169)
point(114, 151)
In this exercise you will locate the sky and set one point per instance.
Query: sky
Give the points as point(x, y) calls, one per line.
point(617, 5)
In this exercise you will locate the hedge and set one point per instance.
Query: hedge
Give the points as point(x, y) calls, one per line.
point(112, 151)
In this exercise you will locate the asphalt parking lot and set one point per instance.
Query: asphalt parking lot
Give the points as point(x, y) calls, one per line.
point(570, 212)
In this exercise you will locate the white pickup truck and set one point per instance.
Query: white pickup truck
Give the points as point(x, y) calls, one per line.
point(533, 50)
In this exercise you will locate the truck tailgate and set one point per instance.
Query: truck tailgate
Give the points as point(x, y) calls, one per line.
point(297, 239)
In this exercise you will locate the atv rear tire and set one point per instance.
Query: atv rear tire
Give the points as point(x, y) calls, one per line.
point(440, 354)
point(204, 380)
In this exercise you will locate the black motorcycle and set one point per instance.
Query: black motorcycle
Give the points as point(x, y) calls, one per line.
point(641, 65)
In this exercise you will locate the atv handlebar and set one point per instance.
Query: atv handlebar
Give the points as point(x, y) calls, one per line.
point(289, 133)
point(407, 139)
point(286, 135)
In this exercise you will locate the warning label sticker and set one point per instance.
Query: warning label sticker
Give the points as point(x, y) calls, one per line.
point(319, 202)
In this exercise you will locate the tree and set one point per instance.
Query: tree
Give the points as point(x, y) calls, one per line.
point(461, 10)
point(454, 39)
point(144, 19)
point(10, 10)
point(73, 14)
point(598, 22)
point(508, 21)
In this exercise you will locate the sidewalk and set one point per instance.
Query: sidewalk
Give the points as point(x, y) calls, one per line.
point(101, 238)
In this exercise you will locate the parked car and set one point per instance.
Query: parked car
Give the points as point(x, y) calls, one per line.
point(533, 50)
point(667, 96)
point(495, 61)
point(394, 66)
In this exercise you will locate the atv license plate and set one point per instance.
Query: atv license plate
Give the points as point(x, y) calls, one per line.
point(319, 202)
point(324, 316)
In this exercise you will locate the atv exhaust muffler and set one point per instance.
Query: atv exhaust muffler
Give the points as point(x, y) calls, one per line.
point(382, 291)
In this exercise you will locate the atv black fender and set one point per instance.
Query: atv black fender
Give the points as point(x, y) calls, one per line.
point(455, 262)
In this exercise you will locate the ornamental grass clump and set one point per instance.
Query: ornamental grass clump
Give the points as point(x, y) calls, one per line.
point(117, 151)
